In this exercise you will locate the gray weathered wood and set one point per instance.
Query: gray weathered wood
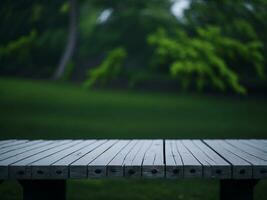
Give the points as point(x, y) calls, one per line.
point(254, 144)
point(16, 156)
point(192, 168)
point(5, 142)
point(153, 162)
point(42, 168)
point(249, 149)
point(220, 168)
point(133, 161)
point(173, 160)
point(19, 146)
point(98, 167)
point(241, 169)
point(79, 169)
point(12, 143)
point(259, 165)
point(63, 164)
point(22, 168)
point(25, 149)
point(64, 159)
point(115, 166)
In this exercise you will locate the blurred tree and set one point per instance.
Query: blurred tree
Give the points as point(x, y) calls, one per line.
point(201, 60)
point(72, 40)
point(243, 20)
point(33, 34)
point(110, 69)
point(127, 23)
point(42, 22)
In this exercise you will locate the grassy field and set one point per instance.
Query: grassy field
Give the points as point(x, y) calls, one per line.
point(39, 109)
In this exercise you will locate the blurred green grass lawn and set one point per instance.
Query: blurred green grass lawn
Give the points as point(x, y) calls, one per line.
point(49, 110)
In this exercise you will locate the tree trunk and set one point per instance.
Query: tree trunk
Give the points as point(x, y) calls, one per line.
point(72, 40)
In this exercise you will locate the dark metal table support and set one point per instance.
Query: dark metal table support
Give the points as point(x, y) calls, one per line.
point(237, 189)
point(43, 189)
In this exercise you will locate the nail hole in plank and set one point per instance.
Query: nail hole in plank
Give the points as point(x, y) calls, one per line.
point(98, 171)
point(131, 172)
point(154, 171)
point(20, 173)
point(58, 172)
point(175, 171)
point(40, 172)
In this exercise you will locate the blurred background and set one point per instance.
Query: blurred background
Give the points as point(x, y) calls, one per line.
point(133, 69)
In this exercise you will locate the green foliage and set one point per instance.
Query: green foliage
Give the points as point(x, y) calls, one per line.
point(236, 51)
point(201, 61)
point(128, 25)
point(242, 20)
point(109, 69)
point(231, 34)
point(32, 37)
point(65, 8)
point(16, 46)
point(19, 49)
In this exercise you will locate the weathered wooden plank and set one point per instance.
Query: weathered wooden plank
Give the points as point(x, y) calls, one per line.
point(263, 141)
point(241, 169)
point(98, 167)
point(221, 168)
point(253, 144)
point(12, 143)
point(173, 161)
point(205, 161)
point(192, 168)
point(256, 144)
point(17, 156)
point(132, 168)
point(79, 169)
point(41, 169)
point(19, 146)
point(22, 150)
point(63, 159)
point(259, 165)
point(115, 166)
point(5, 142)
point(60, 169)
point(213, 165)
point(153, 162)
point(23, 167)
point(249, 149)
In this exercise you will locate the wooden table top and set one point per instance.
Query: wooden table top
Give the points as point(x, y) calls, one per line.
point(81, 159)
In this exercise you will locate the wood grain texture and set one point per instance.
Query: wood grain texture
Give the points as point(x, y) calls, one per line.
point(133, 161)
point(81, 159)
point(241, 169)
point(173, 160)
point(79, 168)
point(153, 161)
point(98, 167)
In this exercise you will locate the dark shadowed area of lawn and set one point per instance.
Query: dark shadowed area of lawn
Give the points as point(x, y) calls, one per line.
point(38, 109)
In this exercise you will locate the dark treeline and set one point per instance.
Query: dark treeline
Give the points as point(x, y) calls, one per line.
point(215, 46)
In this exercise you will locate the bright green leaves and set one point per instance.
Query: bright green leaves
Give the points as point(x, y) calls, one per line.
point(203, 61)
